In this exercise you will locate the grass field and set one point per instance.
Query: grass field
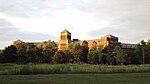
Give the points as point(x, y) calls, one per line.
point(114, 78)
point(74, 74)
point(14, 69)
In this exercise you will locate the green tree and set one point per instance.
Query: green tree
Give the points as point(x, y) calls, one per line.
point(1, 56)
point(71, 46)
point(134, 59)
point(37, 56)
point(29, 53)
point(128, 58)
point(143, 46)
point(69, 56)
point(95, 56)
point(85, 50)
point(77, 52)
point(99, 50)
point(139, 53)
point(148, 52)
point(48, 50)
point(10, 54)
point(119, 55)
point(108, 57)
point(59, 57)
point(143, 52)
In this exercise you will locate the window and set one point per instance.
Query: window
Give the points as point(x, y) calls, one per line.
point(63, 37)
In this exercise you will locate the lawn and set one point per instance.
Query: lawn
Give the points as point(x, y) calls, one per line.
point(113, 78)
point(74, 74)
point(32, 69)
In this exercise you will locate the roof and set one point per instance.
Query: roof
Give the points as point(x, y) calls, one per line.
point(36, 43)
point(127, 45)
point(90, 41)
point(18, 40)
point(66, 31)
point(111, 36)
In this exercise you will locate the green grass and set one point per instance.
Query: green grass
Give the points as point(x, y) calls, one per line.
point(13, 69)
point(115, 78)
point(74, 74)
point(8, 66)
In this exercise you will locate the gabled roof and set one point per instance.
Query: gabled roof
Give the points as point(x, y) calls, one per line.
point(111, 36)
point(66, 31)
point(18, 40)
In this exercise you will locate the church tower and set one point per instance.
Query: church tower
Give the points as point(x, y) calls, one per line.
point(65, 39)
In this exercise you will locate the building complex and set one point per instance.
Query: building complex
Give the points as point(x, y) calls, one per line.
point(102, 42)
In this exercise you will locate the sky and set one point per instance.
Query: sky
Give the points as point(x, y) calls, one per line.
point(41, 20)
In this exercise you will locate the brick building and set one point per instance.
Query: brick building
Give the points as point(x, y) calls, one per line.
point(65, 39)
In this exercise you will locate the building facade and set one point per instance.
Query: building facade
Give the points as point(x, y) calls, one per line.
point(107, 40)
point(65, 39)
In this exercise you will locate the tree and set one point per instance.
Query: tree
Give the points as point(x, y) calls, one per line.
point(71, 46)
point(93, 46)
point(134, 59)
point(143, 46)
point(119, 55)
point(104, 56)
point(148, 52)
point(143, 52)
point(129, 58)
point(107, 55)
point(37, 56)
point(29, 53)
point(139, 53)
point(10, 54)
point(59, 57)
point(69, 56)
point(1, 56)
point(85, 49)
point(48, 50)
point(77, 52)
point(110, 58)
point(95, 56)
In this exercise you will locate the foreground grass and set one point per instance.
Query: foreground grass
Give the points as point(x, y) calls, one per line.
point(13, 69)
point(115, 78)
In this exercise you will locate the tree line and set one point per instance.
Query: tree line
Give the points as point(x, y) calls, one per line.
point(48, 52)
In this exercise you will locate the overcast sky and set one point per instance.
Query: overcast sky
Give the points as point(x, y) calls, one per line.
point(39, 20)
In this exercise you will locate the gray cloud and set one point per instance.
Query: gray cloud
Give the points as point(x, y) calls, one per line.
point(129, 19)
point(8, 34)
point(23, 8)
point(124, 34)
point(32, 8)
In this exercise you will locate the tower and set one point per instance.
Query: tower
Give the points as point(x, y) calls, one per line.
point(65, 39)
point(107, 40)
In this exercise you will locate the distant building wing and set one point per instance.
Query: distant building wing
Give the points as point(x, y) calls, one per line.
point(126, 45)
